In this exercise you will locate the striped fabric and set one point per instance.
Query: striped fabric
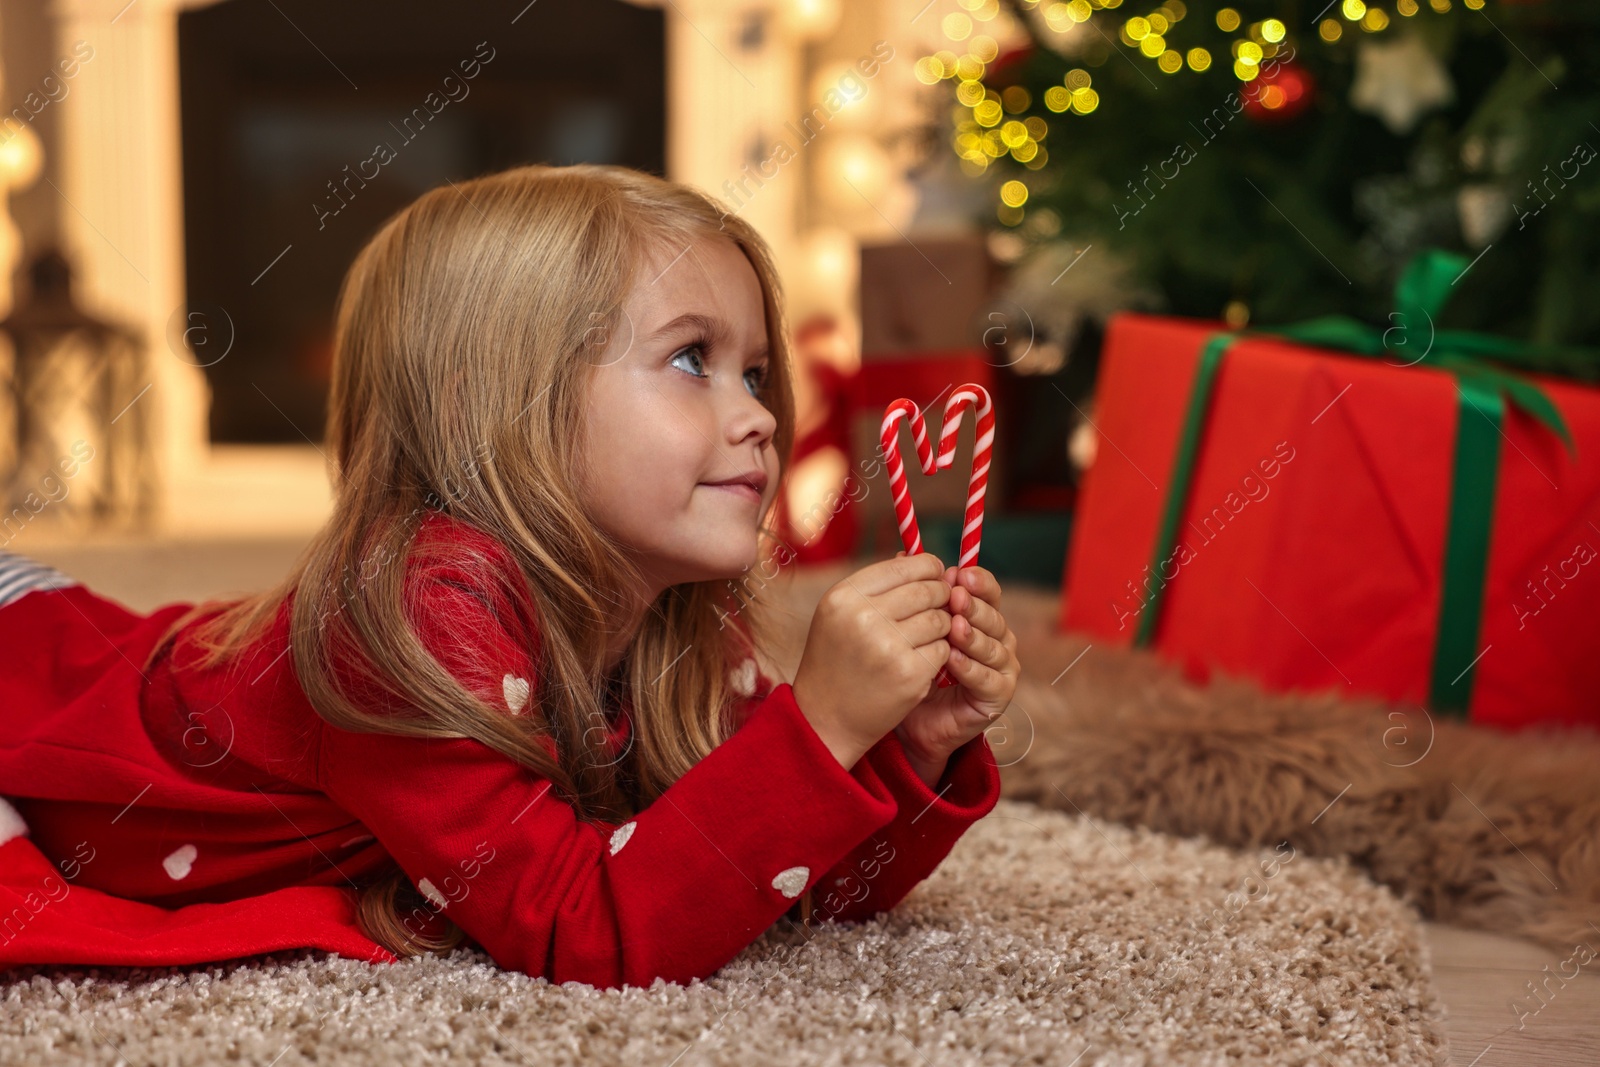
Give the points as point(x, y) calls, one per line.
point(20, 576)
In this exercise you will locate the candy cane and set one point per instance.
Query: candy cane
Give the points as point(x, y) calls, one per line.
point(966, 396)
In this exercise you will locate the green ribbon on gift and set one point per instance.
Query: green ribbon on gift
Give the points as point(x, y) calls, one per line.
point(1482, 389)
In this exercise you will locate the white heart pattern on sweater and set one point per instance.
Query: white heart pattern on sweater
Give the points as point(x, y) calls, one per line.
point(12, 823)
point(743, 678)
point(516, 692)
point(180, 863)
point(427, 889)
point(792, 882)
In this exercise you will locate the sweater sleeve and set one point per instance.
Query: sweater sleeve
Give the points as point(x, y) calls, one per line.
point(878, 873)
point(674, 893)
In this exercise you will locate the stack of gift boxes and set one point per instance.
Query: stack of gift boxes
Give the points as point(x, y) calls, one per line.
point(927, 328)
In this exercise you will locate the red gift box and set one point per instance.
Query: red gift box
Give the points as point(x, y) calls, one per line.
point(1310, 548)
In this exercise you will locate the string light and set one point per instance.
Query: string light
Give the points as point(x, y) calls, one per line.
point(984, 129)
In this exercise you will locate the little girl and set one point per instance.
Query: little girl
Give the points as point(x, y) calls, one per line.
point(510, 692)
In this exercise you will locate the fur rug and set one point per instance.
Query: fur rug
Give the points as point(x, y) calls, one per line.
point(1043, 938)
point(1474, 826)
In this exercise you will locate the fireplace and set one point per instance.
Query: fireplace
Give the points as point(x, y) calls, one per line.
point(306, 125)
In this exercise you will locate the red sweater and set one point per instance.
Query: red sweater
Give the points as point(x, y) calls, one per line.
point(191, 786)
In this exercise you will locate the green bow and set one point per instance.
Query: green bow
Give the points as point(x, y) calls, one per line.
point(1482, 389)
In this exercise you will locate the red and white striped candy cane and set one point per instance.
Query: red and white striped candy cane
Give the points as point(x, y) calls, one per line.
point(966, 396)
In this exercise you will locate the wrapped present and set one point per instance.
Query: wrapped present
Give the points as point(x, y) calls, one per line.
point(927, 296)
point(1334, 506)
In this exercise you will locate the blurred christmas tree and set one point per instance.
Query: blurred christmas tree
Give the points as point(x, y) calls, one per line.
point(1283, 160)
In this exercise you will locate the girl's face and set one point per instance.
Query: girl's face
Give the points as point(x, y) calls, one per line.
point(673, 409)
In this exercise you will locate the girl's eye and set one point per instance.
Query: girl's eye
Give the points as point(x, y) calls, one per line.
point(697, 351)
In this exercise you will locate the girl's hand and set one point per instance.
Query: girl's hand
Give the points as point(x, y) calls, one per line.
point(983, 661)
point(877, 640)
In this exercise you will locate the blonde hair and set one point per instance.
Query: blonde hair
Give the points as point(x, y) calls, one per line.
point(466, 331)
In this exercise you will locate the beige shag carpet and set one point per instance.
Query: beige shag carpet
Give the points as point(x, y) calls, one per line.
point(1043, 938)
point(1178, 875)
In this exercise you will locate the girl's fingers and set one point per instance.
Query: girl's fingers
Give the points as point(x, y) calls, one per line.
point(984, 683)
point(981, 583)
point(985, 618)
point(979, 646)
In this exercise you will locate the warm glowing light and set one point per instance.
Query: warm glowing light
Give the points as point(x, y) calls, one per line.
point(1227, 20)
point(1013, 193)
point(1170, 61)
point(985, 48)
point(1199, 59)
point(1138, 28)
point(1353, 9)
point(1272, 30)
point(1330, 30)
point(1375, 19)
point(1057, 99)
point(1152, 45)
point(1077, 79)
point(813, 18)
point(1085, 100)
point(1245, 71)
point(958, 27)
point(987, 113)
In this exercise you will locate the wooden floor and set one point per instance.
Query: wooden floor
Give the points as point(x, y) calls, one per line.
point(1495, 1018)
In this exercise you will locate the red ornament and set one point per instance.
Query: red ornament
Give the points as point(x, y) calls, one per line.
point(1279, 93)
point(1007, 66)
